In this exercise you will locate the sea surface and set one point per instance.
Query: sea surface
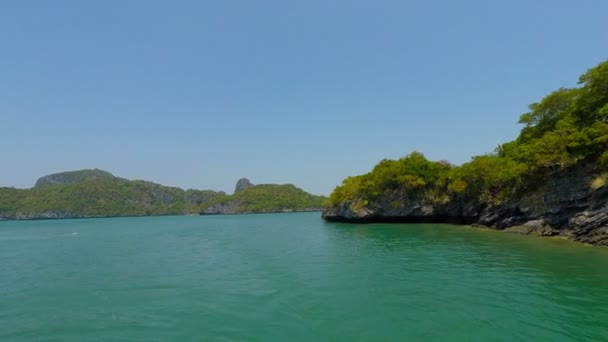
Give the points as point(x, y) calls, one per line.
point(293, 277)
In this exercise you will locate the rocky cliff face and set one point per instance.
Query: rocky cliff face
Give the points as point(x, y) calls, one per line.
point(242, 184)
point(572, 203)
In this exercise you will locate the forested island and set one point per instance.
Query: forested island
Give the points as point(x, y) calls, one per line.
point(551, 180)
point(263, 198)
point(97, 193)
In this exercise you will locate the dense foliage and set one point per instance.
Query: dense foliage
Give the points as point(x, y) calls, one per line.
point(265, 198)
point(96, 193)
point(69, 177)
point(80, 195)
point(567, 127)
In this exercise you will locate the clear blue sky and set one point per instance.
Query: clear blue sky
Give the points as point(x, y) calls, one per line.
point(197, 94)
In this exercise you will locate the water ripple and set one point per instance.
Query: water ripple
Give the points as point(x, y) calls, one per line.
point(293, 277)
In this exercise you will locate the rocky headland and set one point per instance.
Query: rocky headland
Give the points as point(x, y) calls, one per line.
point(552, 180)
point(569, 203)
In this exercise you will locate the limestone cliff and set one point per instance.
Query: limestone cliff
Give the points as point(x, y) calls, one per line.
point(242, 184)
point(550, 180)
point(572, 203)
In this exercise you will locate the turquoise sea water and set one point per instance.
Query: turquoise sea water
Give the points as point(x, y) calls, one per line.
point(293, 277)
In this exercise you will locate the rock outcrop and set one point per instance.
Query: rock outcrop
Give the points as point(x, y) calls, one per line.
point(568, 203)
point(242, 184)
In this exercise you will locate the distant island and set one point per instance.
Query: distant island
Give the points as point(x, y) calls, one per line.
point(263, 198)
point(551, 180)
point(97, 193)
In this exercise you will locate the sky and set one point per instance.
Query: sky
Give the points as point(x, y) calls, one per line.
point(198, 94)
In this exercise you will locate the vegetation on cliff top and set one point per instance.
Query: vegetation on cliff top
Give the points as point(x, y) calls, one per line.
point(567, 127)
point(264, 198)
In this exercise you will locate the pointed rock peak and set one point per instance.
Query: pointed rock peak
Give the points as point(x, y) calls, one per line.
point(242, 184)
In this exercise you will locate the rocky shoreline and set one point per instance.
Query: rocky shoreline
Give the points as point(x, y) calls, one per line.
point(68, 216)
point(571, 203)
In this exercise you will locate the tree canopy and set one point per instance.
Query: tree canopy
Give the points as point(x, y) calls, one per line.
point(567, 127)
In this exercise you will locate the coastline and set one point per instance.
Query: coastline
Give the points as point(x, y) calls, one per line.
point(4, 219)
point(284, 211)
